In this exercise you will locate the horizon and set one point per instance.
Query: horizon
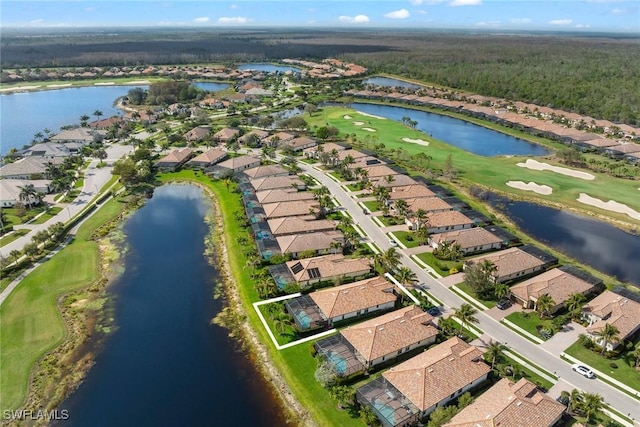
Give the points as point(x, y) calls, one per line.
point(575, 16)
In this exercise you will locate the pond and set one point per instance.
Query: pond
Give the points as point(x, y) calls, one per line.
point(211, 86)
point(165, 363)
point(389, 82)
point(594, 243)
point(25, 114)
point(268, 68)
point(467, 136)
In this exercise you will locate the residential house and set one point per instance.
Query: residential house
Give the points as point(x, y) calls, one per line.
point(515, 263)
point(471, 240)
point(283, 195)
point(10, 190)
point(326, 268)
point(50, 150)
point(299, 143)
point(327, 147)
point(298, 224)
point(410, 192)
point(278, 139)
point(442, 221)
point(266, 171)
point(386, 337)
point(174, 159)
point(379, 171)
point(107, 123)
point(274, 182)
point(207, 159)
point(28, 168)
point(413, 389)
point(236, 98)
point(613, 309)
point(226, 135)
point(621, 150)
point(80, 136)
point(235, 165)
point(557, 283)
point(509, 404)
point(197, 134)
point(290, 208)
point(258, 92)
point(393, 181)
point(257, 134)
point(426, 204)
point(324, 242)
point(349, 301)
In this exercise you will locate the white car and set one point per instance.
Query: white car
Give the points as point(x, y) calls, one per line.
point(584, 371)
point(393, 243)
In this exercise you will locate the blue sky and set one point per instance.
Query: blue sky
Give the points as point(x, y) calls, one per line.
point(558, 15)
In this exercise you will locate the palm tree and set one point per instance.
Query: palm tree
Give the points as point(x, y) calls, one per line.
point(27, 194)
point(281, 321)
point(466, 314)
point(447, 326)
point(405, 275)
point(636, 354)
point(83, 120)
point(494, 352)
point(544, 304)
point(98, 114)
point(591, 405)
point(390, 259)
point(502, 291)
point(609, 334)
point(15, 254)
point(575, 401)
point(401, 207)
point(574, 303)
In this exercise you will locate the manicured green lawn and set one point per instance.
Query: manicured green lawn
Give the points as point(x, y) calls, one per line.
point(530, 322)
point(623, 373)
point(13, 236)
point(48, 215)
point(492, 172)
point(30, 323)
point(441, 267)
point(408, 238)
point(336, 175)
point(372, 205)
point(388, 220)
point(530, 375)
point(467, 290)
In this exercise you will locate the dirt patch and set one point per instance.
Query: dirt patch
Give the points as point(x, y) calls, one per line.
point(539, 166)
point(611, 205)
point(531, 186)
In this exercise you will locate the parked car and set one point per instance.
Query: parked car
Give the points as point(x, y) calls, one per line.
point(583, 370)
point(503, 304)
point(393, 243)
point(434, 311)
point(563, 399)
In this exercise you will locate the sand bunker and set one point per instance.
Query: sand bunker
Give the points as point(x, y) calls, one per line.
point(62, 85)
point(369, 129)
point(358, 123)
point(611, 205)
point(347, 117)
point(416, 141)
point(371, 115)
point(531, 186)
point(104, 84)
point(140, 82)
point(18, 88)
point(539, 166)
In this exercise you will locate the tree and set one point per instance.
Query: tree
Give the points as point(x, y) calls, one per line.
point(574, 303)
point(27, 194)
point(591, 405)
point(466, 314)
point(447, 169)
point(390, 259)
point(636, 354)
point(609, 334)
point(343, 394)
point(326, 374)
point(502, 291)
point(447, 326)
point(494, 352)
point(310, 108)
point(31, 250)
point(83, 120)
point(368, 416)
point(479, 277)
point(401, 207)
point(405, 275)
point(544, 304)
point(98, 114)
point(15, 254)
point(281, 321)
point(100, 154)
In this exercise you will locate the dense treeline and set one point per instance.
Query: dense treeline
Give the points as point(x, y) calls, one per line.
point(593, 75)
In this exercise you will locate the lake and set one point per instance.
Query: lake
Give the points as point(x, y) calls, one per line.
point(211, 86)
point(594, 243)
point(268, 68)
point(166, 364)
point(389, 82)
point(25, 114)
point(467, 136)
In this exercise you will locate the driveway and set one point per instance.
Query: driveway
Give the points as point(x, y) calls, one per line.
point(563, 339)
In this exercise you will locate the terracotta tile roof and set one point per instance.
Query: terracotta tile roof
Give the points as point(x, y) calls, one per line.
point(226, 134)
point(299, 224)
point(209, 156)
point(342, 154)
point(428, 204)
point(258, 132)
point(509, 261)
point(390, 332)
point(176, 156)
point(290, 208)
point(410, 192)
point(265, 171)
point(379, 171)
point(436, 374)
point(284, 136)
point(294, 243)
point(558, 284)
point(399, 180)
point(239, 162)
point(197, 133)
point(301, 141)
point(447, 219)
point(28, 166)
point(273, 182)
point(510, 405)
point(467, 238)
point(283, 195)
point(327, 147)
point(329, 266)
point(349, 298)
point(615, 310)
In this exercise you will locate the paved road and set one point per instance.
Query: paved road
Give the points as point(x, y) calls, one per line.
point(547, 360)
point(94, 179)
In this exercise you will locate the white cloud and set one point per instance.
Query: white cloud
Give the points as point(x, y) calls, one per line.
point(233, 20)
point(617, 11)
point(465, 3)
point(583, 26)
point(561, 21)
point(36, 21)
point(487, 24)
point(520, 21)
point(201, 20)
point(358, 19)
point(398, 14)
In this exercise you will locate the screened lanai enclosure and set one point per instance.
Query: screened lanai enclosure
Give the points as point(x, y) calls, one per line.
point(340, 354)
point(390, 406)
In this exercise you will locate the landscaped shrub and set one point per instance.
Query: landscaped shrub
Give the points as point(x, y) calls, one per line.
point(613, 365)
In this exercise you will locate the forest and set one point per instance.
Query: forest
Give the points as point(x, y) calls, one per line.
point(593, 74)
